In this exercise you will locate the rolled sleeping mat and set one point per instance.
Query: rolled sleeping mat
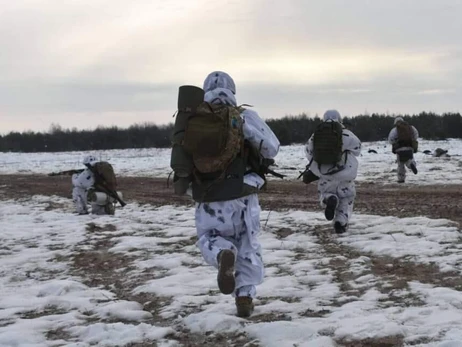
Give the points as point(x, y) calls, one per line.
point(189, 97)
point(181, 185)
point(180, 161)
point(100, 198)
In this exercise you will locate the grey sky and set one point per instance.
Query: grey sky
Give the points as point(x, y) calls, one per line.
point(88, 63)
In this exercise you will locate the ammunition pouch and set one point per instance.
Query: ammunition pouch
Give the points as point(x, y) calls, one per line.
point(181, 184)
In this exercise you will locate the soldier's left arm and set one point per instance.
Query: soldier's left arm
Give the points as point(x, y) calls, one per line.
point(259, 134)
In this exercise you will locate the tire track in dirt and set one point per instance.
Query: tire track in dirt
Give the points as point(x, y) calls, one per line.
point(434, 201)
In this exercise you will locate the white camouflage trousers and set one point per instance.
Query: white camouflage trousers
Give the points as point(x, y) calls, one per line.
point(401, 172)
point(79, 197)
point(234, 225)
point(345, 192)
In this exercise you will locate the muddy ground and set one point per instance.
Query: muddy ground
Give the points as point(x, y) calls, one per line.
point(435, 201)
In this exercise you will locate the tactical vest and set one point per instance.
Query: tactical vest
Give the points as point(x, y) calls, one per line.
point(208, 188)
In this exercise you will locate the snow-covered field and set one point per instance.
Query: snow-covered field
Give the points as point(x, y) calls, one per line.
point(48, 300)
point(153, 162)
point(136, 279)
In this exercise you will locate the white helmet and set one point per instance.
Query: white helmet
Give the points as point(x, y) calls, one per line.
point(221, 96)
point(333, 115)
point(90, 160)
point(219, 79)
point(398, 119)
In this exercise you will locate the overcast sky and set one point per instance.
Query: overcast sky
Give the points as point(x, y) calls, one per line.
point(84, 63)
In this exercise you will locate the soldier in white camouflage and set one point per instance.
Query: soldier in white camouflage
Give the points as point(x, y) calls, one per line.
point(403, 138)
point(336, 187)
point(228, 229)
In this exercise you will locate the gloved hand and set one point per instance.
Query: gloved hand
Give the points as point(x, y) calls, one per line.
point(309, 177)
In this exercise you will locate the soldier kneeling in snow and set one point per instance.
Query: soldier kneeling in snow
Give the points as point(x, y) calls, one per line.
point(96, 184)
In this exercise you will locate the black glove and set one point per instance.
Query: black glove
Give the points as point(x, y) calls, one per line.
point(309, 177)
point(265, 162)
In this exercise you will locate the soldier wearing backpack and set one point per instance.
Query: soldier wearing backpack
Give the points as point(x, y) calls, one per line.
point(403, 139)
point(332, 152)
point(95, 184)
point(218, 138)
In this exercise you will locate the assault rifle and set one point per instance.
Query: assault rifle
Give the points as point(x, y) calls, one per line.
point(101, 185)
point(67, 172)
point(258, 163)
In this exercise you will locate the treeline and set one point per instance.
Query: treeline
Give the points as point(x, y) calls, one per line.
point(289, 130)
point(375, 127)
point(59, 140)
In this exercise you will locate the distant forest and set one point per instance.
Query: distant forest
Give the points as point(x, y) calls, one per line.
point(289, 130)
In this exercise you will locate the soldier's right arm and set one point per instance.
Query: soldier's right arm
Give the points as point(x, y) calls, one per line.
point(393, 136)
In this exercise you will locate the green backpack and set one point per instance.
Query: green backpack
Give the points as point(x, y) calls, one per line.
point(105, 175)
point(214, 137)
point(327, 143)
point(404, 131)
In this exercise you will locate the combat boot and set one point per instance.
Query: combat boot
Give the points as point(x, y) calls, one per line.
point(331, 204)
point(109, 208)
point(225, 277)
point(244, 306)
point(339, 228)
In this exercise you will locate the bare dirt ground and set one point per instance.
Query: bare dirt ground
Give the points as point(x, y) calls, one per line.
point(437, 201)
point(395, 200)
